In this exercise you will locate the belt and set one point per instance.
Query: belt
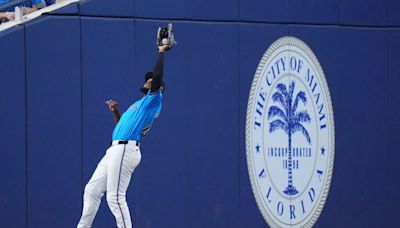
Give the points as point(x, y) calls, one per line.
point(117, 142)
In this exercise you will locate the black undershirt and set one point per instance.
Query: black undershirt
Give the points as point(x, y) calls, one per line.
point(158, 73)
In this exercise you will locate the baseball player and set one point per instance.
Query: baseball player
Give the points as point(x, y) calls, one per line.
point(114, 171)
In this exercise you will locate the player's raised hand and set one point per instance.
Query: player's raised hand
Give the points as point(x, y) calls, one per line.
point(163, 48)
point(112, 105)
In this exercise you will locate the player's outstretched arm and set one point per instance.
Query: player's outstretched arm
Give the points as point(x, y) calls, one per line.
point(158, 72)
point(113, 106)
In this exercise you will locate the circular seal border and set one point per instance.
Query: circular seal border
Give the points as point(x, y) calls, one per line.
point(291, 41)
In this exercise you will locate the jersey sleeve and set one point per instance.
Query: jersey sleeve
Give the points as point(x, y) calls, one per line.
point(152, 100)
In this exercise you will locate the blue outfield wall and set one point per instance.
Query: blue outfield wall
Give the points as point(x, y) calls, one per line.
point(57, 71)
point(53, 121)
point(13, 127)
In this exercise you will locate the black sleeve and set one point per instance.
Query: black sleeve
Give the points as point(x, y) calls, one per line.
point(158, 73)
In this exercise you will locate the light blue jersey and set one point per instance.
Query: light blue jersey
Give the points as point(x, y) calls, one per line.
point(137, 120)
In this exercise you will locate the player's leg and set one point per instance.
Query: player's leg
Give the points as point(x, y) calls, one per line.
point(94, 191)
point(123, 161)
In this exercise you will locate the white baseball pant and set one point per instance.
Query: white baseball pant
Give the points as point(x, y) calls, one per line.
point(112, 175)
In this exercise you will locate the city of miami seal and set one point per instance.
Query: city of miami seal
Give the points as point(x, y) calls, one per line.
point(290, 135)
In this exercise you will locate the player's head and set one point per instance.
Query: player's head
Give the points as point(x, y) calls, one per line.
point(148, 78)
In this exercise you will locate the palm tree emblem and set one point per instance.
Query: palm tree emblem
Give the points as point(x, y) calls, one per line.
point(289, 121)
